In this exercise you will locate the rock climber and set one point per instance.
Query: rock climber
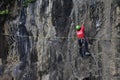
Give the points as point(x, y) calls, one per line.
point(82, 40)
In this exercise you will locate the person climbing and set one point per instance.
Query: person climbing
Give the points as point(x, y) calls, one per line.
point(82, 41)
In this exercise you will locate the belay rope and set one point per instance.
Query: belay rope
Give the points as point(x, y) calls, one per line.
point(75, 10)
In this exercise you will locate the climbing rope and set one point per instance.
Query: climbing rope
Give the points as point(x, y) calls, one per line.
point(63, 37)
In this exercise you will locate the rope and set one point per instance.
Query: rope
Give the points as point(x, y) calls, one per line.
point(63, 37)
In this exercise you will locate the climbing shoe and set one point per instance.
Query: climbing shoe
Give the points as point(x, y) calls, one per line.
point(87, 54)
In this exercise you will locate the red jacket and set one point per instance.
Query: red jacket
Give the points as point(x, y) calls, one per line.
point(81, 33)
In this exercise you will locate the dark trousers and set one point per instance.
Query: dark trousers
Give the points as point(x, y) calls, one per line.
point(82, 42)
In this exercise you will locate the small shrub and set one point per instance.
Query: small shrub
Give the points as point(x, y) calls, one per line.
point(3, 12)
point(117, 2)
point(26, 2)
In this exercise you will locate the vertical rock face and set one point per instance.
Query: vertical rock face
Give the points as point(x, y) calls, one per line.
point(38, 40)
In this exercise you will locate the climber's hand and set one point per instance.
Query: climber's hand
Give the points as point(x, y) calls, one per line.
point(83, 23)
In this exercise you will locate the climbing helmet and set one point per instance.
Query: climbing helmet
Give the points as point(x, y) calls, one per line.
point(77, 27)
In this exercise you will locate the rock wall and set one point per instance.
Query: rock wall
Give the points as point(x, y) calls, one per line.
point(38, 41)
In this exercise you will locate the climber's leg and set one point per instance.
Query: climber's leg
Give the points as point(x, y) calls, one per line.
point(80, 47)
point(80, 42)
point(81, 52)
point(87, 53)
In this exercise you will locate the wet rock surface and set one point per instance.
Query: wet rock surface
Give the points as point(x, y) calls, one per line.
point(38, 42)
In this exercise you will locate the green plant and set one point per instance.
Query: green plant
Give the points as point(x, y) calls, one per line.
point(26, 2)
point(3, 12)
point(117, 2)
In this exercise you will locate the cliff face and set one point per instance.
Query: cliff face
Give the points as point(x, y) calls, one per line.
point(38, 41)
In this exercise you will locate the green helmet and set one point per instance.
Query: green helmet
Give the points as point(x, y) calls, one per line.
point(77, 27)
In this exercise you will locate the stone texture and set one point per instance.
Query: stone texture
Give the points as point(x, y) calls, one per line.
point(49, 42)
